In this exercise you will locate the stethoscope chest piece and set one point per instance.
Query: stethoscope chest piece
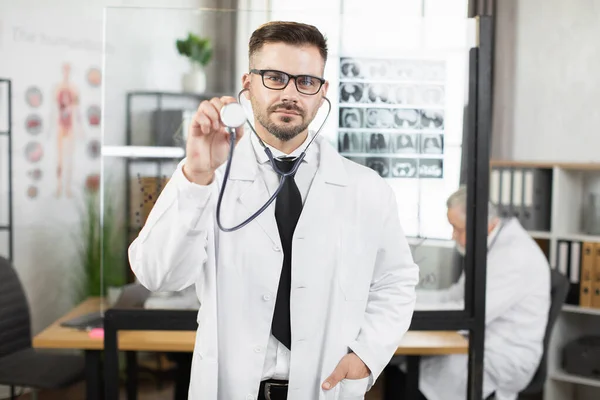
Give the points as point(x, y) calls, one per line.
point(233, 115)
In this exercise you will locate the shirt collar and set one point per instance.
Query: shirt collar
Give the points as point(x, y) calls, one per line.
point(262, 157)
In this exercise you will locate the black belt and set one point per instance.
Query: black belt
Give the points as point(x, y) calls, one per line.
point(273, 389)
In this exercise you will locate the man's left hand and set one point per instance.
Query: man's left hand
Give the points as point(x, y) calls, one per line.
point(349, 367)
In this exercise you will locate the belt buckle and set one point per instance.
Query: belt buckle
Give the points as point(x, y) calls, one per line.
point(268, 386)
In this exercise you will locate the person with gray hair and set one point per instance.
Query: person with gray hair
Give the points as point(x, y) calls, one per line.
point(457, 217)
point(517, 305)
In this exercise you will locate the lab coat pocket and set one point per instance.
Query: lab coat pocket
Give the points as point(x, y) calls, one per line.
point(353, 389)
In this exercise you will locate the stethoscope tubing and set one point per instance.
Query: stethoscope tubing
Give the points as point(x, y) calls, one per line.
point(282, 175)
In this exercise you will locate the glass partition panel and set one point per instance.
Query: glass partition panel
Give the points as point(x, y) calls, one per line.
point(398, 89)
point(4, 169)
point(6, 192)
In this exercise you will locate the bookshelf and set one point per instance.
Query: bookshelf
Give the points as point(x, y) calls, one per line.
point(569, 220)
point(156, 127)
point(564, 377)
point(580, 310)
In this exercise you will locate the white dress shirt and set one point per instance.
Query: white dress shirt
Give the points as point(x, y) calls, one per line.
point(277, 361)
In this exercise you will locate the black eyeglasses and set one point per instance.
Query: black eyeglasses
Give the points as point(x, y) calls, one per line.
point(278, 80)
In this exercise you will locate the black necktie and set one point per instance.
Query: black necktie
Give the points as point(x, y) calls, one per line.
point(288, 207)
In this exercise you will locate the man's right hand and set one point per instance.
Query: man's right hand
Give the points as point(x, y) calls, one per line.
point(207, 145)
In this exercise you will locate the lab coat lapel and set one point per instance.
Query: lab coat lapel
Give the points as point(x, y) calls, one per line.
point(322, 203)
point(316, 238)
point(253, 193)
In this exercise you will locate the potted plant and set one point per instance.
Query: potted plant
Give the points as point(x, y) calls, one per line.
point(101, 252)
point(199, 52)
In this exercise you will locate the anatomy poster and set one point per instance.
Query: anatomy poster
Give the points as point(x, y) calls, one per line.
point(54, 69)
point(56, 92)
point(391, 115)
point(68, 127)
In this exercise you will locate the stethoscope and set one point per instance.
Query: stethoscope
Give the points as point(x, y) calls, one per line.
point(233, 116)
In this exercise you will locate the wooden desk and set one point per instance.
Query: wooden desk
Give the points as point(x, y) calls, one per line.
point(58, 337)
point(432, 343)
point(414, 344)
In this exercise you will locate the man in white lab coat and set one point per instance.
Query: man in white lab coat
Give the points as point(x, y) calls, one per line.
point(517, 305)
point(320, 322)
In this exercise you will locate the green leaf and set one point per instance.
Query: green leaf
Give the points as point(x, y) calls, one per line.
point(197, 49)
point(100, 249)
point(206, 57)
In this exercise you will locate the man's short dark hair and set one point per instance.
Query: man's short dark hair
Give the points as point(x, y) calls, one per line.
point(293, 33)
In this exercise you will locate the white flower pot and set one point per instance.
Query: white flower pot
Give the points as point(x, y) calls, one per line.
point(195, 80)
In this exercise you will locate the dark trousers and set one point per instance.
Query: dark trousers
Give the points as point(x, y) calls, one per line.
point(395, 384)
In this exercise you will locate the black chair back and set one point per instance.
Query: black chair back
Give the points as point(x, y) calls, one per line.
point(559, 289)
point(116, 320)
point(15, 324)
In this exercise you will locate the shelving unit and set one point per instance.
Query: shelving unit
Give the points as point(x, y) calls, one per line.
point(143, 152)
point(564, 377)
point(540, 234)
point(580, 310)
point(573, 323)
point(6, 132)
point(155, 144)
point(571, 185)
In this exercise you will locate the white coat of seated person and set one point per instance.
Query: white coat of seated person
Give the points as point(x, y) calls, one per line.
point(517, 305)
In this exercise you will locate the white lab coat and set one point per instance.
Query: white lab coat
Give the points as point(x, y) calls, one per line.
point(517, 305)
point(353, 276)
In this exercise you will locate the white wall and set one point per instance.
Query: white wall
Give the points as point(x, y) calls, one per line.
point(555, 104)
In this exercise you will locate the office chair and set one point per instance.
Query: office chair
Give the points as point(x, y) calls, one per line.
point(116, 320)
point(20, 364)
point(559, 287)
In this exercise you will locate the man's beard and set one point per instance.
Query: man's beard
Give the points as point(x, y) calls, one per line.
point(286, 132)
